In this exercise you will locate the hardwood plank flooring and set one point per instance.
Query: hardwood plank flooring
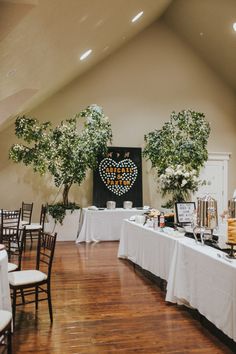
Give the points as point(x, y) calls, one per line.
point(101, 305)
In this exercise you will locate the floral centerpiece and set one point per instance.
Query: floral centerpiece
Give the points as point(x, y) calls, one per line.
point(180, 181)
point(66, 152)
point(177, 152)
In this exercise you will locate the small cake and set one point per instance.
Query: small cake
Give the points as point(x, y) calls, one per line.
point(232, 230)
point(153, 213)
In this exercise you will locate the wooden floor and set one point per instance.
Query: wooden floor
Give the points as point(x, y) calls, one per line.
point(101, 305)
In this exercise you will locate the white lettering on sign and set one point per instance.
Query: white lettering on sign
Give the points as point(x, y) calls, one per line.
point(185, 212)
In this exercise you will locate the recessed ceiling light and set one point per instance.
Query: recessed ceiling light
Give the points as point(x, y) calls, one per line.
point(84, 18)
point(85, 54)
point(234, 26)
point(135, 18)
point(11, 73)
point(99, 23)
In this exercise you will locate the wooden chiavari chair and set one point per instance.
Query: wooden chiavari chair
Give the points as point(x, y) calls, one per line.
point(32, 230)
point(26, 213)
point(11, 236)
point(35, 282)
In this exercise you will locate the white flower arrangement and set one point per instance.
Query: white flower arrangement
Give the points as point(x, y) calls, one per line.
point(180, 181)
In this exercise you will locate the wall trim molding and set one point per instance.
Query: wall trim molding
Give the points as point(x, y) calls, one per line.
point(219, 155)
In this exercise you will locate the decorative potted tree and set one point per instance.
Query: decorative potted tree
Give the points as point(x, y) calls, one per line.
point(66, 151)
point(177, 152)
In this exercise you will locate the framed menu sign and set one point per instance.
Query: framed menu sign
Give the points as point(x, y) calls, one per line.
point(184, 212)
point(119, 177)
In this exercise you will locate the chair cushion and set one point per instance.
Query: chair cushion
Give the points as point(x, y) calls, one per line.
point(11, 267)
point(24, 277)
point(33, 226)
point(5, 319)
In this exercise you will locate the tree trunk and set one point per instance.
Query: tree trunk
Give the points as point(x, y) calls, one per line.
point(66, 193)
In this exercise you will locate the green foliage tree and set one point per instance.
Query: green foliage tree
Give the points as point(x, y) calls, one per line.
point(66, 152)
point(178, 151)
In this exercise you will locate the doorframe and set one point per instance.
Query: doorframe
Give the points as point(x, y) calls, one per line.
point(224, 158)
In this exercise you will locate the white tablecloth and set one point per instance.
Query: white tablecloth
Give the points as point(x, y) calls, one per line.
point(206, 282)
point(5, 300)
point(195, 275)
point(150, 249)
point(103, 225)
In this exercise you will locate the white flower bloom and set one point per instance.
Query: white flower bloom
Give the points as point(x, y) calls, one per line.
point(105, 119)
point(89, 120)
point(96, 108)
point(184, 182)
point(169, 171)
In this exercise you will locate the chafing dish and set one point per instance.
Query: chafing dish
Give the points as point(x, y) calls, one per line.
point(232, 208)
point(207, 218)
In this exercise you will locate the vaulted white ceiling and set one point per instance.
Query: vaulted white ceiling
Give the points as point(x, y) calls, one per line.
point(41, 41)
point(207, 26)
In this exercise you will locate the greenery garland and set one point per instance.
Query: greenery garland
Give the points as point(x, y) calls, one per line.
point(58, 210)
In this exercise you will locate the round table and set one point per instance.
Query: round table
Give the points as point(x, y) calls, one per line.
point(5, 299)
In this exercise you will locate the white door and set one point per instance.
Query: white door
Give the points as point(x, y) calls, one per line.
point(215, 175)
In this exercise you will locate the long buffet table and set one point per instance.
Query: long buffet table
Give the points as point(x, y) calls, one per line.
point(197, 276)
point(142, 246)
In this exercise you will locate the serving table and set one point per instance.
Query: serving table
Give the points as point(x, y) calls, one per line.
point(150, 249)
point(5, 300)
point(198, 276)
point(202, 277)
point(103, 225)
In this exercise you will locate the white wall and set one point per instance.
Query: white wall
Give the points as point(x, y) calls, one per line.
point(138, 87)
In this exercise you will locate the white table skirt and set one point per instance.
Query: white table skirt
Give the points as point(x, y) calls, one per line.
point(103, 225)
point(150, 249)
point(206, 282)
point(5, 300)
point(195, 275)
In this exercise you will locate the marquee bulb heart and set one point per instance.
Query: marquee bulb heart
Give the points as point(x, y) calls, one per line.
point(118, 177)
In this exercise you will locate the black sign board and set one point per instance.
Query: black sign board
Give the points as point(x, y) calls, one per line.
point(119, 177)
point(185, 212)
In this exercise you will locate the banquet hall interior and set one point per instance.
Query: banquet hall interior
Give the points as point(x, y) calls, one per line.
point(138, 286)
